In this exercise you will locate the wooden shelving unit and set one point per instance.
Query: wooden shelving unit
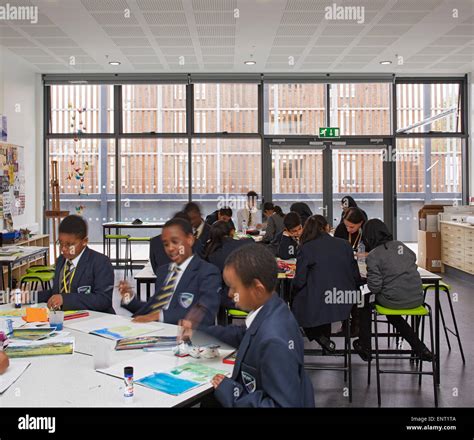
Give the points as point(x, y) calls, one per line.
point(36, 240)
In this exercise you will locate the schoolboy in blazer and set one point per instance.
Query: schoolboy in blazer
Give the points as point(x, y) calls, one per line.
point(187, 284)
point(269, 369)
point(84, 278)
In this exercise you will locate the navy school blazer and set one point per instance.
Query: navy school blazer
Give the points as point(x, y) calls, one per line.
point(200, 285)
point(326, 281)
point(269, 369)
point(92, 285)
point(218, 258)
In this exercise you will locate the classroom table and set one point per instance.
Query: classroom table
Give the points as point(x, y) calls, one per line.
point(71, 380)
point(25, 254)
point(118, 226)
point(147, 277)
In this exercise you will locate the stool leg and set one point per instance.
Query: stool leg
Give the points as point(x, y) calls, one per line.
point(433, 362)
point(420, 377)
point(444, 327)
point(377, 362)
point(458, 336)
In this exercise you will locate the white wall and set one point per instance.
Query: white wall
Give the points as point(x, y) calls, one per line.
point(19, 102)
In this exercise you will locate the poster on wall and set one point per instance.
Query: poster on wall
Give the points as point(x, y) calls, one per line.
point(12, 180)
point(3, 128)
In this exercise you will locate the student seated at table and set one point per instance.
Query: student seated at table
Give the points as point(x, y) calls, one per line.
point(346, 203)
point(220, 245)
point(350, 228)
point(303, 210)
point(393, 277)
point(325, 268)
point(158, 256)
point(84, 278)
point(200, 227)
point(249, 216)
point(4, 362)
point(274, 225)
point(187, 283)
point(285, 244)
point(269, 368)
point(224, 214)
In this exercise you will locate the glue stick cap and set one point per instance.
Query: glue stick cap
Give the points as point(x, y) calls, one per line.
point(128, 371)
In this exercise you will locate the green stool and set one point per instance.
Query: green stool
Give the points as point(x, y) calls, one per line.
point(131, 240)
point(232, 314)
point(443, 287)
point(35, 278)
point(38, 268)
point(420, 312)
point(108, 244)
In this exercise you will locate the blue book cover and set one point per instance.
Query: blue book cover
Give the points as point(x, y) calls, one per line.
point(168, 383)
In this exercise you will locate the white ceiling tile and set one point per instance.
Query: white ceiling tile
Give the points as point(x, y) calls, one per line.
point(301, 18)
point(40, 59)
point(452, 41)
point(78, 59)
point(389, 30)
point(165, 18)
point(418, 5)
point(177, 59)
point(403, 17)
point(291, 50)
point(290, 41)
point(364, 50)
point(216, 66)
point(43, 31)
point(334, 29)
point(105, 5)
point(112, 18)
point(216, 31)
point(170, 31)
point(138, 51)
point(218, 59)
point(178, 42)
point(131, 42)
point(215, 18)
point(462, 30)
point(6, 31)
point(377, 41)
point(68, 51)
point(296, 30)
point(35, 51)
point(160, 5)
point(125, 31)
point(178, 50)
point(56, 42)
point(334, 41)
point(17, 42)
point(357, 58)
point(218, 41)
point(214, 5)
point(145, 59)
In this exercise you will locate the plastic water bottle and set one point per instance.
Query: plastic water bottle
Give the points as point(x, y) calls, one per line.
point(17, 295)
point(244, 227)
point(361, 250)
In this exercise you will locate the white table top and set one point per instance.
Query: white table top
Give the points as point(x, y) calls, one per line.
point(145, 273)
point(71, 380)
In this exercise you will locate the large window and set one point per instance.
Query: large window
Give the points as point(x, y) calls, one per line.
point(82, 109)
point(361, 108)
point(86, 174)
point(293, 108)
point(428, 108)
point(225, 107)
point(224, 170)
point(154, 108)
point(429, 171)
point(139, 156)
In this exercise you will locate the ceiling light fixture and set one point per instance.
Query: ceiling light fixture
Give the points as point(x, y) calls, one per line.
point(115, 63)
point(385, 62)
point(250, 63)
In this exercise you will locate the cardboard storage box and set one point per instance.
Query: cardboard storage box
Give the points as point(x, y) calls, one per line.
point(429, 250)
point(428, 218)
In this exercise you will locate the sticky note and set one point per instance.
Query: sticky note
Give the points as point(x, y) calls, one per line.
point(34, 314)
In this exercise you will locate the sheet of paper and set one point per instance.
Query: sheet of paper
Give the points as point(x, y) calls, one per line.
point(47, 347)
point(112, 326)
point(14, 371)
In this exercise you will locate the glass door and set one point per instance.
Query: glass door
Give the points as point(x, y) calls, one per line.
point(358, 172)
point(297, 176)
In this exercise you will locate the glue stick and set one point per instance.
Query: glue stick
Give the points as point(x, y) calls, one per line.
point(128, 379)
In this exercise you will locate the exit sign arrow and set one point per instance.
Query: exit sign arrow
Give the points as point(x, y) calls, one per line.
point(329, 132)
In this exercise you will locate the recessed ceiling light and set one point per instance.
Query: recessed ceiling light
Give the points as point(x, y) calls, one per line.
point(115, 63)
point(385, 62)
point(250, 63)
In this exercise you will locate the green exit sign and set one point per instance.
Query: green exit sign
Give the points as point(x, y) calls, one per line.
point(329, 132)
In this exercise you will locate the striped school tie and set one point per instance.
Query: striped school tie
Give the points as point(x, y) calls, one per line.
point(66, 281)
point(166, 291)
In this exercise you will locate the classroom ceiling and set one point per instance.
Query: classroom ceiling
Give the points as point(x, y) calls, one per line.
point(418, 36)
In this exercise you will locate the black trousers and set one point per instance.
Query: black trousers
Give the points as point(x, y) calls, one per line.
point(401, 326)
point(315, 332)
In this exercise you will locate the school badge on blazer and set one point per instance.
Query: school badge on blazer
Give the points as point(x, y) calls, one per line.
point(84, 289)
point(186, 299)
point(249, 382)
